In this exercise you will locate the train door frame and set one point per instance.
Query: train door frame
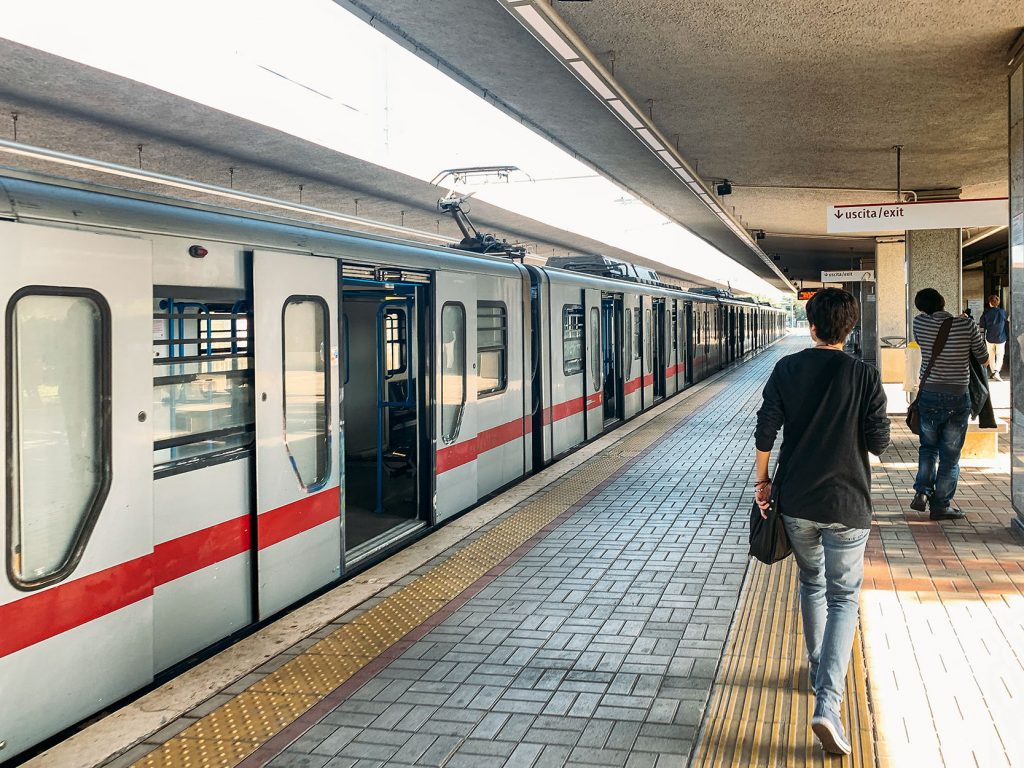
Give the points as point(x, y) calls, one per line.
point(659, 383)
point(399, 353)
point(689, 343)
point(593, 369)
point(612, 354)
point(63, 669)
point(296, 522)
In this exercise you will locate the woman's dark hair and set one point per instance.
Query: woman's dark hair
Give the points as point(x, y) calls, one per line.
point(833, 312)
point(928, 300)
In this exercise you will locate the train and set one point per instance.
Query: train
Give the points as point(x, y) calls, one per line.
point(212, 414)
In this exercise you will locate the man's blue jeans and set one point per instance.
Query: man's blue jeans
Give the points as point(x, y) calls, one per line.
point(943, 429)
point(830, 557)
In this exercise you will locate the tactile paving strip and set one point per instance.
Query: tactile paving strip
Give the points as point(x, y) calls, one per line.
point(761, 703)
point(235, 730)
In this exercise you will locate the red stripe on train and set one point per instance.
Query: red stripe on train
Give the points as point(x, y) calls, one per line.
point(299, 516)
point(193, 551)
point(42, 615)
point(462, 453)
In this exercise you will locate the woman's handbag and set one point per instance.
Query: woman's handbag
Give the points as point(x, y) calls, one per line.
point(768, 540)
point(913, 414)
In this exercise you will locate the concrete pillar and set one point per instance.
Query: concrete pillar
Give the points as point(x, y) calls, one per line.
point(935, 260)
point(1013, 346)
point(890, 303)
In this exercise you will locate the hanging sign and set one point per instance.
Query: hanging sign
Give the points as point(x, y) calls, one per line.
point(849, 276)
point(933, 214)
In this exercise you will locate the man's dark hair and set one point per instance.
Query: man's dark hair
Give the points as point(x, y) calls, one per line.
point(833, 312)
point(928, 300)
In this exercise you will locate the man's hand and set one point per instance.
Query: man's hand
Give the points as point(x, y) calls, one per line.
point(763, 496)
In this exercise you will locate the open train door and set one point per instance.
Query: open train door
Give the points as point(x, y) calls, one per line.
point(76, 614)
point(298, 441)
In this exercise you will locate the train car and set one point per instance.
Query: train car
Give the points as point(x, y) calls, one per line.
point(212, 414)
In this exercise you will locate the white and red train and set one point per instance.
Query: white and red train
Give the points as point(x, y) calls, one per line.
point(211, 414)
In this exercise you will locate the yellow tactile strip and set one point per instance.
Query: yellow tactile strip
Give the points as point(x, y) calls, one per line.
point(761, 703)
point(235, 730)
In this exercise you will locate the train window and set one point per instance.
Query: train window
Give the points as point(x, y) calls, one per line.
point(453, 369)
point(648, 354)
point(675, 329)
point(202, 381)
point(395, 340)
point(627, 334)
point(491, 347)
point(637, 333)
point(595, 355)
point(58, 472)
point(572, 339)
point(306, 341)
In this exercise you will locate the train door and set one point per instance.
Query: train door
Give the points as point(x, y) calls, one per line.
point(647, 360)
point(75, 603)
point(455, 419)
point(611, 354)
point(383, 343)
point(631, 351)
point(659, 355)
point(594, 373)
point(298, 440)
point(674, 373)
point(689, 342)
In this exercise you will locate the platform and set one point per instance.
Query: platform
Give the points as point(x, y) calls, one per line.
point(612, 618)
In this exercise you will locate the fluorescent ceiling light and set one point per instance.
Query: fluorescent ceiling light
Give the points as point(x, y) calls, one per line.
point(669, 158)
point(626, 113)
point(591, 78)
point(311, 69)
point(648, 137)
point(540, 25)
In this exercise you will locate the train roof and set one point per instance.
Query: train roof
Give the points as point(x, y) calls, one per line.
point(35, 197)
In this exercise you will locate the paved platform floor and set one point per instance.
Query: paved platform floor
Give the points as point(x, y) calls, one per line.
point(588, 626)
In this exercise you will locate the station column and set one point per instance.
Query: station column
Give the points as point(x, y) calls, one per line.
point(891, 304)
point(935, 260)
point(1014, 347)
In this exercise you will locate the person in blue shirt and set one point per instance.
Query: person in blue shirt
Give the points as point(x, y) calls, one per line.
point(993, 322)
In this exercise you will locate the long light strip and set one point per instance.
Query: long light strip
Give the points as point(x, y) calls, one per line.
point(137, 174)
point(545, 24)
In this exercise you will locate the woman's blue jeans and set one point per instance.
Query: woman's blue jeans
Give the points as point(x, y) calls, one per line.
point(830, 557)
point(944, 420)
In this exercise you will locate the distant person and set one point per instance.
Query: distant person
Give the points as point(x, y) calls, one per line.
point(993, 321)
point(969, 313)
point(831, 408)
point(944, 403)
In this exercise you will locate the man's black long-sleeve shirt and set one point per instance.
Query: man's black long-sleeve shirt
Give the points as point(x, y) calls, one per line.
point(824, 476)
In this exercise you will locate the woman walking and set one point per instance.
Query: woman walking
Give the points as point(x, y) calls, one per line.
point(831, 408)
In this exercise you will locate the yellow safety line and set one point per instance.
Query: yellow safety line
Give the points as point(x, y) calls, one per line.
point(233, 731)
point(764, 674)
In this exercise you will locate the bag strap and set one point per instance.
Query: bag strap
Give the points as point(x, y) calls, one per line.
point(940, 344)
point(822, 384)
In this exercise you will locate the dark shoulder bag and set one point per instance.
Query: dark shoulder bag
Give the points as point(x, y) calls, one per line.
point(769, 542)
point(913, 414)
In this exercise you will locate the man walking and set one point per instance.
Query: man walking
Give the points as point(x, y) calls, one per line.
point(943, 403)
point(993, 321)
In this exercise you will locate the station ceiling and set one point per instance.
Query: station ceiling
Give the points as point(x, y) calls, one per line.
point(796, 104)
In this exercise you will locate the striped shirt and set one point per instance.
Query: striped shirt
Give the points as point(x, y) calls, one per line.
point(951, 373)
